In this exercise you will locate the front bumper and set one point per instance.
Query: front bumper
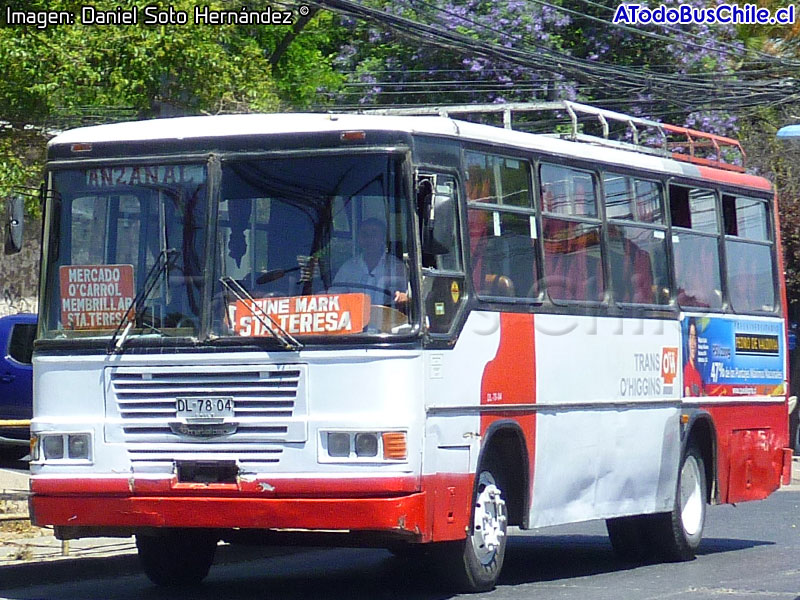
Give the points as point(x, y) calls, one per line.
point(128, 504)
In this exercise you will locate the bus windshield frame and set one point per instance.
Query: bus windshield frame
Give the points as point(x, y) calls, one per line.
point(282, 224)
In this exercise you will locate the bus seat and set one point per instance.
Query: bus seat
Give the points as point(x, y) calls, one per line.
point(555, 250)
point(641, 274)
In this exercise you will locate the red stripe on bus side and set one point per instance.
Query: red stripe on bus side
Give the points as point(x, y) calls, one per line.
point(512, 375)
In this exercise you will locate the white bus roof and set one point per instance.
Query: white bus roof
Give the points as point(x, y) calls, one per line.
point(183, 128)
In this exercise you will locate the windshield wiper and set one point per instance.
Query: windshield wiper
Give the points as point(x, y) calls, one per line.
point(166, 258)
point(279, 333)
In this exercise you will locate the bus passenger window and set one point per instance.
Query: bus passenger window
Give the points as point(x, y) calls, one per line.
point(572, 260)
point(573, 264)
point(695, 247)
point(637, 253)
point(749, 254)
point(503, 254)
point(502, 227)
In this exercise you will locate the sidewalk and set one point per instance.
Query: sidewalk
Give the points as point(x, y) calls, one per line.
point(25, 549)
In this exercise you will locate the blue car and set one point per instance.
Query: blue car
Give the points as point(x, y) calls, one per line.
point(17, 333)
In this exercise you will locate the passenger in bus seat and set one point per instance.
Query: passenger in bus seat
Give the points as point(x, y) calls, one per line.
point(374, 271)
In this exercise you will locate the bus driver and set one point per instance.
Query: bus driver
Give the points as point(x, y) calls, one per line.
point(374, 271)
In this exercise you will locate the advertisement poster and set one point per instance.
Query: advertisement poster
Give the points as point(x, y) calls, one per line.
point(732, 357)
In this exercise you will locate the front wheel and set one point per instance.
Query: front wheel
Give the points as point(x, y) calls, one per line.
point(176, 556)
point(678, 533)
point(474, 564)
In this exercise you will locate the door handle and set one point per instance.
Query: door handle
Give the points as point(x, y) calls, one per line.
point(7, 378)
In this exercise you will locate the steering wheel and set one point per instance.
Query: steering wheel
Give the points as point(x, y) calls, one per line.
point(365, 286)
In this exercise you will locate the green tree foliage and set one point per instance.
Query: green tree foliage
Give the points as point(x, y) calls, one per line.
point(66, 75)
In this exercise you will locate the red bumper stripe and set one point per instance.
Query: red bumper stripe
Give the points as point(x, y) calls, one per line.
point(261, 488)
point(404, 514)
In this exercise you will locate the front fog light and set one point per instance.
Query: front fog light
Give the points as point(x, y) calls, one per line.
point(53, 446)
point(78, 445)
point(366, 444)
point(338, 444)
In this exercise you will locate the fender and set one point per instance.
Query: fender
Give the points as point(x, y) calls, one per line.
point(694, 422)
point(519, 505)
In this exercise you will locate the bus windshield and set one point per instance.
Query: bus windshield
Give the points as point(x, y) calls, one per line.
point(111, 226)
point(319, 245)
point(306, 245)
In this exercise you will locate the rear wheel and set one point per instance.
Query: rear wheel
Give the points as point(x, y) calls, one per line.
point(176, 556)
point(474, 564)
point(678, 534)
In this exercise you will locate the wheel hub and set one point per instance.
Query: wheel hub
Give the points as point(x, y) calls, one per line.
point(489, 526)
point(691, 497)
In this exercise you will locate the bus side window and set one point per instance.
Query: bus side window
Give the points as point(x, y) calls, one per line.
point(749, 253)
point(502, 228)
point(571, 234)
point(695, 247)
point(637, 245)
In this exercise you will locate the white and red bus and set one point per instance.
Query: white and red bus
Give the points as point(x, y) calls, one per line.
point(547, 331)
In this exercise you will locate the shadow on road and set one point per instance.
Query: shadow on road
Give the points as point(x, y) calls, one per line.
point(242, 573)
point(531, 559)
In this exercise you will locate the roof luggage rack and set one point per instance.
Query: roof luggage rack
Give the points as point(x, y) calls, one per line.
point(675, 142)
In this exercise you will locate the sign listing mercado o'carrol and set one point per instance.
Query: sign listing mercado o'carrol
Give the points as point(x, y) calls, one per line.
point(95, 296)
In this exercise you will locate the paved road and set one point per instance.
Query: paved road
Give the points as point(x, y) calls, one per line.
point(752, 552)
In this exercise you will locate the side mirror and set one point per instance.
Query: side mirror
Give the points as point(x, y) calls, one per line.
point(15, 220)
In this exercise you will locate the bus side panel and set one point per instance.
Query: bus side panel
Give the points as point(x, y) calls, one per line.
point(452, 432)
point(607, 434)
point(740, 380)
point(750, 442)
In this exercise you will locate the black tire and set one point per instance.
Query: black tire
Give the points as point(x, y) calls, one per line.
point(677, 534)
point(629, 537)
point(176, 556)
point(474, 564)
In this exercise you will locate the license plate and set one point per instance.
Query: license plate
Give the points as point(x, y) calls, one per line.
point(216, 408)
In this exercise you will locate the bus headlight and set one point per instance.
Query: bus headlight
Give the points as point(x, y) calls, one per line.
point(61, 447)
point(53, 447)
point(338, 444)
point(366, 446)
point(78, 446)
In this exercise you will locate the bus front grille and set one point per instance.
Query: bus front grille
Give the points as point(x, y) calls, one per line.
point(267, 403)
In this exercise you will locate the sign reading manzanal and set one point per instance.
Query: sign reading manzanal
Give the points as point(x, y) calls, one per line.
point(151, 15)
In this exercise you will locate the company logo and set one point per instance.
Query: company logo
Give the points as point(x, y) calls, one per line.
point(669, 365)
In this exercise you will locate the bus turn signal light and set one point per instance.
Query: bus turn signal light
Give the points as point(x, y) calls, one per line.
point(353, 136)
point(394, 445)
